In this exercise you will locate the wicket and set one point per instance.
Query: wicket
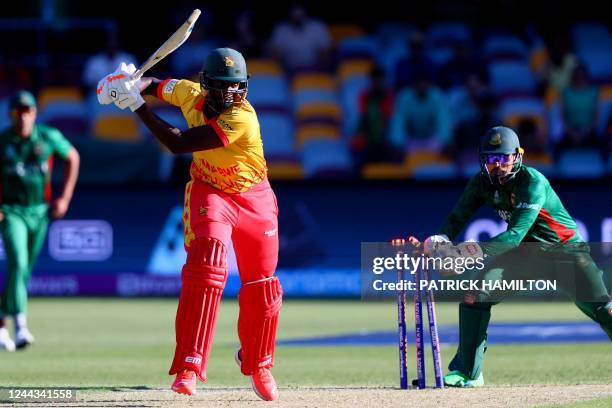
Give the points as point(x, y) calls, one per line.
point(418, 319)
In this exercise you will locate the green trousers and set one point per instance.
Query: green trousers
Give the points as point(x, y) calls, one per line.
point(572, 267)
point(23, 233)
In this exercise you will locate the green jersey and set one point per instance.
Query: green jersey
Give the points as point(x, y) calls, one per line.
point(26, 163)
point(528, 204)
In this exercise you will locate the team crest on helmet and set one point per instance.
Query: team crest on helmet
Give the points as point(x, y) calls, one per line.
point(229, 62)
point(495, 139)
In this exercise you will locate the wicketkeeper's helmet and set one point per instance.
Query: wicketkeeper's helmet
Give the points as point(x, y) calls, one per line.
point(500, 141)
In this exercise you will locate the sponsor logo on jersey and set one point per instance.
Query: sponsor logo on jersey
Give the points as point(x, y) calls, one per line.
point(169, 87)
point(528, 206)
point(203, 210)
point(496, 198)
point(270, 233)
point(224, 124)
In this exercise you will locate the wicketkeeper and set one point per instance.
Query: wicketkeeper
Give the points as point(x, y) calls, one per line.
point(524, 198)
point(228, 197)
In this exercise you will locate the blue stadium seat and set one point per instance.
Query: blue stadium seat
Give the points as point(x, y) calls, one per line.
point(598, 62)
point(585, 34)
point(522, 105)
point(392, 33)
point(268, 91)
point(277, 135)
point(444, 34)
point(511, 78)
point(325, 157)
point(580, 163)
point(313, 95)
point(357, 47)
point(440, 55)
point(435, 171)
point(70, 117)
point(505, 47)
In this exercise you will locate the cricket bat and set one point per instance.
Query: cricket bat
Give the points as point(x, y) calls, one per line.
point(171, 44)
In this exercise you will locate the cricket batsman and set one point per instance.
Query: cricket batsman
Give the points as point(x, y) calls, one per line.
point(27, 150)
point(524, 198)
point(228, 197)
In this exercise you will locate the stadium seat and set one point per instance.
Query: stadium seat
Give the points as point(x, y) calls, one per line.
point(356, 67)
point(542, 162)
point(339, 32)
point(421, 158)
point(513, 110)
point(268, 91)
point(505, 47)
point(5, 119)
point(435, 171)
point(444, 34)
point(308, 132)
point(285, 171)
point(605, 108)
point(58, 94)
point(120, 128)
point(310, 80)
point(70, 117)
point(385, 171)
point(326, 157)
point(357, 47)
point(538, 56)
point(511, 78)
point(264, 67)
point(599, 63)
point(277, 135)
point(585, 34)
point(389, 34)
point(580, 163)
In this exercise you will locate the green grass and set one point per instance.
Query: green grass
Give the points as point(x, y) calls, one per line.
point(596, 403)
point(129, 343)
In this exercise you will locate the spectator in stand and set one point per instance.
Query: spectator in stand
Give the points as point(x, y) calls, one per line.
point(556, 73)
point(301, 42)
point(107, 61)
point(370, 143)
point(579, 109)
point(463, 100)
point(415, 63)
point(469, 130)
point(246, 39)
point(464, 63)
point(421, 119)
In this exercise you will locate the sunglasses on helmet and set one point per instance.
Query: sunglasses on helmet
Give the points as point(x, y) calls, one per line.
point(493, 158)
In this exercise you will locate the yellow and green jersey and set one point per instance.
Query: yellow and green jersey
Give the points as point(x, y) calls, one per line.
point(239, 164)
point(26, 164)
point(528, 204)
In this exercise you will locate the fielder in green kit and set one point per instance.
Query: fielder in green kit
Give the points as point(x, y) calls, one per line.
point(26, 160)
point(523, 198)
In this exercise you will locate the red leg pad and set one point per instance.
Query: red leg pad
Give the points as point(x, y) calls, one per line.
point(260, 303)
point(203, 279)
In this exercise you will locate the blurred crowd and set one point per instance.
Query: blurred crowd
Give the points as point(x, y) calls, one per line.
point(396, 101)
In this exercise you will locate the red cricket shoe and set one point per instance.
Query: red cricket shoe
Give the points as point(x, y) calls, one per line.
point(262, 381)
point(185, 383)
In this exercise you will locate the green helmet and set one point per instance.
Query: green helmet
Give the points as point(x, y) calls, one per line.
point(222, 68)
point(225, 64)
point(498, 142)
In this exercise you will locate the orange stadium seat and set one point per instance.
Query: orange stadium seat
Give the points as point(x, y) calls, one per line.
point(264, 67)
point(320, 110)
point(285, 171)
point(357, 67)
point(59, 93)
point(120, 128)
point(313, 80)
point(385, 171)
point(316, 131)
point(338, 32)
